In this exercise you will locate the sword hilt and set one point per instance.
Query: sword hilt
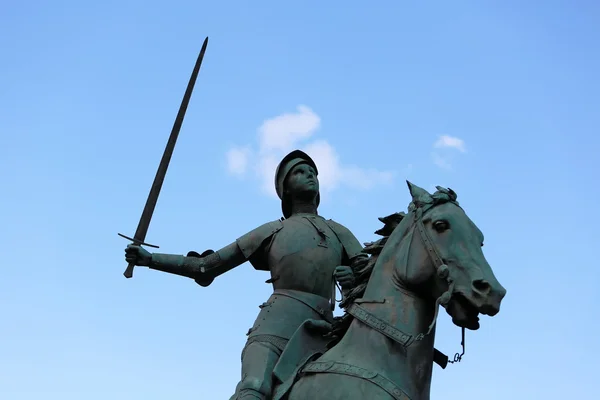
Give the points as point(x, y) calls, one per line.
point(129, 270)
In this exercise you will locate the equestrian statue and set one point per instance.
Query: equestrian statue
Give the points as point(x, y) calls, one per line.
point(383, 345)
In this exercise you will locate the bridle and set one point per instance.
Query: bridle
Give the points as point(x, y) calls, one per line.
point(442, 271)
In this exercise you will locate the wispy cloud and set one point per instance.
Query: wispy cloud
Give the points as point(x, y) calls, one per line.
point(446, 146)
point(283, 133)
point(451, 142)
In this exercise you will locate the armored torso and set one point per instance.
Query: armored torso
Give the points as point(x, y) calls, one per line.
point(303, 255)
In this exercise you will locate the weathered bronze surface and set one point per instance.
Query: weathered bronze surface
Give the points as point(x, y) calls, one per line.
point(383, 346)
point(304, 253)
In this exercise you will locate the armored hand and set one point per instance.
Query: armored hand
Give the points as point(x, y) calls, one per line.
point(319, 326)
point(138, 255)
point(344, 276)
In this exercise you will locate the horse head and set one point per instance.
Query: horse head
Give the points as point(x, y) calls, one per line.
point(444, 261)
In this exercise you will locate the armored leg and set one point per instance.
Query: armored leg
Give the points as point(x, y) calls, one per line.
point(258, 361)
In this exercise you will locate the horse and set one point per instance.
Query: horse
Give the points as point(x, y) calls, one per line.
point(382, 348)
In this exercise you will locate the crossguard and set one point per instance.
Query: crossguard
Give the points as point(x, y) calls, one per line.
point(129, 271)
point(137, 242)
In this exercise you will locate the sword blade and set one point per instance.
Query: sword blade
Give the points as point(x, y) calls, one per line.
point(144, 224)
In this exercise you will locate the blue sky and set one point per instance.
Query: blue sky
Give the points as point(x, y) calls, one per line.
point(89, 92)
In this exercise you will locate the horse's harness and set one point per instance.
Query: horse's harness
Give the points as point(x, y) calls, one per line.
point(389, 330)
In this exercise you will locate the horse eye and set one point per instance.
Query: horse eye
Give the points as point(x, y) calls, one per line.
point(441, 226)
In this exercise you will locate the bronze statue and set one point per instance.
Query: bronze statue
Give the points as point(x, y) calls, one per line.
point(382, 348)
point(303, 252)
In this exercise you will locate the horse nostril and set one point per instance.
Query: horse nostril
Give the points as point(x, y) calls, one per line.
point(481, 286)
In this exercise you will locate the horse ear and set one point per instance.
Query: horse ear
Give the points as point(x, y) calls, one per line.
point(417, 193)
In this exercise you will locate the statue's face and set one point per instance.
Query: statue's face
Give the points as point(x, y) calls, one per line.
point(302, 181)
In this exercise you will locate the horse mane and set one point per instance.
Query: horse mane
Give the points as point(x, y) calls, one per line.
point(363, 266)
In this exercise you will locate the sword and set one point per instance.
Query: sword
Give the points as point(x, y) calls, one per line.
point(142, 228)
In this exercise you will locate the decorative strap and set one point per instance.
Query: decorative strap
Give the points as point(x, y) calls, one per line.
point(431, 249)
point(358, 372)
point(322, 234)
point(381, 326)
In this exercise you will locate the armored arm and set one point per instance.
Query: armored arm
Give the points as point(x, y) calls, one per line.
point(197, 266)
point(205, 267)
point(352, 247)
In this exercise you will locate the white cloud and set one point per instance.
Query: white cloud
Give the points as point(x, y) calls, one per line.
point(445, 146)
point(281, 134)
point(446, 141)
point(237, 160)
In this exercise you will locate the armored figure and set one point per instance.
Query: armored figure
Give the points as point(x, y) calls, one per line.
point(303, 252)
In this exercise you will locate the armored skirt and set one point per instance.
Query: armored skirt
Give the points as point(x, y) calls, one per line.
point(286, 310)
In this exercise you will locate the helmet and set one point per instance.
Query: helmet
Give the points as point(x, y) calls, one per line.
point(283, 169)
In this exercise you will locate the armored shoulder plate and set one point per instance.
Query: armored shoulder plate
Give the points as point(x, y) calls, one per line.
point(352, 246)
point(253, 240)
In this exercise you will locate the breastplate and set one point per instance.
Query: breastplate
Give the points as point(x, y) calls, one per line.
point(304, 254)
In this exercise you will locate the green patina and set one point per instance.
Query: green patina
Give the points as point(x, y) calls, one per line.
point(382, 348)
point(303, 252)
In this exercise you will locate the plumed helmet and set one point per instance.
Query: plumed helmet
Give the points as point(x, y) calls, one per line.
point(283, 169)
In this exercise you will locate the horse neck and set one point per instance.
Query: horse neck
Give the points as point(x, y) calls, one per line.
point(409, 367)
